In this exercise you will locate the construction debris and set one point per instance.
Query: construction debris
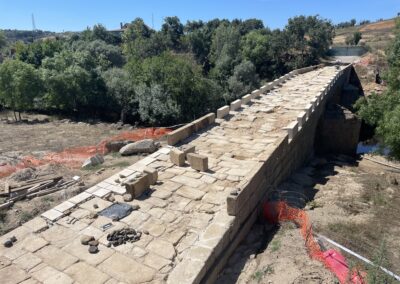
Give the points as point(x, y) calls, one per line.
point(31, 188)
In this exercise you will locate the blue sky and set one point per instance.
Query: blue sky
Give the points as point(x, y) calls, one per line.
point(75, 15)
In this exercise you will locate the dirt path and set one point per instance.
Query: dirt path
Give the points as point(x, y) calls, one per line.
point(355, 203)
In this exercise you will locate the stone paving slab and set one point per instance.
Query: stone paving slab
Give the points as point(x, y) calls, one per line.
point(183, 217)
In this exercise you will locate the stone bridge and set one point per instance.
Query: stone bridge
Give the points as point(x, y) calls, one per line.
point(191, 220)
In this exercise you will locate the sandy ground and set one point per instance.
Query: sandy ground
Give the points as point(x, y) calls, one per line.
point(354, 202)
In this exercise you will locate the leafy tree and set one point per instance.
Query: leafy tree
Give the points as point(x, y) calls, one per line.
point(353, 22)
point(73, 83)
point(99, 53)
point(99, 32)
point(35, 52)
point(181, 78)
point(310, 38)
point(20, 84)
point(121, 89)
point(225, 51)
point(173, 31)
point(3, 40)
point(243, 81)
point(256, 47)
point(156, 105)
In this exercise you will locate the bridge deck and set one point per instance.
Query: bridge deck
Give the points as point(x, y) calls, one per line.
point(185, 215)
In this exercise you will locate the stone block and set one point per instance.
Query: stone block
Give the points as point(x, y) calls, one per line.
point(309, 110)
point(255, 94)
point(292, 129)
point(301, 118)
point(125, 269)
point(187, 149)
point(222, 112)
point(180, 134)
point(246, 99)
point(198, 162)
point(231, 205)
point(236, 105)
point(204, 121)
point(152, 175)
point(137, 187)
point(177, 157)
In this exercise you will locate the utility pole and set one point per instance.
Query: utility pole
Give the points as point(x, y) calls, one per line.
point(33, 23)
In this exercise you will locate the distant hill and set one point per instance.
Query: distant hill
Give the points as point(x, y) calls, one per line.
point(376, 35)
point(26, 36)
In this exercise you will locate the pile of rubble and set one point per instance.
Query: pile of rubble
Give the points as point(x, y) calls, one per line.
point(121, 237)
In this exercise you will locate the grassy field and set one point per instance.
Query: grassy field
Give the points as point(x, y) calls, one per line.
point(376, 35)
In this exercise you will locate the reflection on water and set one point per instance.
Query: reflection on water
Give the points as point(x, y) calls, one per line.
point(368, 147)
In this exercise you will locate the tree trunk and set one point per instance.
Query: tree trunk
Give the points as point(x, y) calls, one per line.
point(123, 115)
point(19, 116)
point(15, 115)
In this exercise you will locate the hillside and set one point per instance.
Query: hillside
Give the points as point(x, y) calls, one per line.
point(376, 35)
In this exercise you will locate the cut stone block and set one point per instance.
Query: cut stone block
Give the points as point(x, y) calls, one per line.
point(126, 270)
point(222, 112)
point(177, 157)
point(236, 105)
point(203, 122)
point(255, 94)
point(187, 149)
point(198, 162)
point(152, 175)
point(80, 197)
point(137, 187)
point(292, 129)
point(180, 134)
point(65, 206)
point(301, 118)
point(52, 215)
point(246, 99)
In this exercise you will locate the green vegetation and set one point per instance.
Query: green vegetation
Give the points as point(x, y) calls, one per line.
point(383, 111)
point(275, 245)
point(260, 274)
point(156, 77)
point(354, 39)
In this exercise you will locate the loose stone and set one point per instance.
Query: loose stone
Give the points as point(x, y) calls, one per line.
point(234, 192)
point(8, 243)
point(135, 207)
point(94, 243)
point(95, 206)
point(85, 239)
point(93, 249)
point(127, 197)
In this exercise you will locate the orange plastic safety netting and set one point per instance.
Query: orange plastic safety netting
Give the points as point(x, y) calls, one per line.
point(279, 211)
point(74, 157)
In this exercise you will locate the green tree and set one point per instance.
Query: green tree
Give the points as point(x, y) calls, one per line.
point(173, 31)
point(156, 105)
point(3, 40)
point(179, 78)
point(20, 84)
point(243, 81)
point(225, 51)
point(256, 47)
point(73, 84)
point(120, 88)
point(35, 52)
